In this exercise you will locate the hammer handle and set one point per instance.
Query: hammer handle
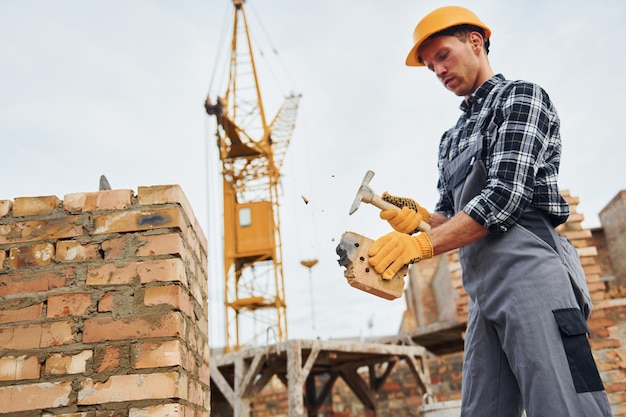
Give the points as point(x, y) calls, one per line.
point(385, 205)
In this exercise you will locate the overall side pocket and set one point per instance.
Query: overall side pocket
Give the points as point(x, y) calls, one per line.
point(574, 330)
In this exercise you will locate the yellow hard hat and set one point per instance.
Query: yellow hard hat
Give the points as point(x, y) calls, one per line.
point(438, 20)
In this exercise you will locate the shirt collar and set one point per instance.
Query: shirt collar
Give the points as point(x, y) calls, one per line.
point(481, 93)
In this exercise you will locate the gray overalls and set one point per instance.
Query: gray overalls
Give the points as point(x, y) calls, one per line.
point(526, 344)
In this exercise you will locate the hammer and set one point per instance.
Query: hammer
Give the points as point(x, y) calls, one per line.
point(365, 193)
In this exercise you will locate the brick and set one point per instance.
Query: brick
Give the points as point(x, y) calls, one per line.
point(588, 251)
point(198, 285)
point(97, 201)
point(166, 244)
point(33, 230)
point(108, 413)
point(613, 376)
point(112, 274)
point(121, 247)
point(600, 323)
point(195, 394)
point(135, 245)
point(171, 194)
point(68, 304)
point(173, 295)
point(135, 220)
point(101, 329)
point(159, 354)
point(85, 414)
point(157, 270)
point(594, 270)
point(20, 337)
point(35, 255)
point(616, 387)
point(32, 206)
point(197, 342)
point(204, 373)
point(618, 410)
point(32, 312)
point(37, 335)
point(596, 286)
point(19, 368)
point(106, 302)
point(579, 234)
point(120, 388)
point(110, 359)
point(605, 344)
point(34, 281)
point(617, 397)
point(575, 218)
point(163, 194)
point(35, 396)
point(74, 251)
point(57, 333)
point(3, 256)
point(58, 364)
point(5, 207)
point(162, 410)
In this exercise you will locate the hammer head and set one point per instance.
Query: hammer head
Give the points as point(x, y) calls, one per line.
point(364, 193)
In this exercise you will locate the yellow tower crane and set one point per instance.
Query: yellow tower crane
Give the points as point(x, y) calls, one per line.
point(251, 150)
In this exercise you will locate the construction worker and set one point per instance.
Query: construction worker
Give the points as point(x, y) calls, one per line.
point(526, 346)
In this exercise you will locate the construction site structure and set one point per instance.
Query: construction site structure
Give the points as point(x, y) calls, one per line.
point(252, 150)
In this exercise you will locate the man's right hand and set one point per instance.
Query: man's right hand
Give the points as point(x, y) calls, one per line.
point(409, 215)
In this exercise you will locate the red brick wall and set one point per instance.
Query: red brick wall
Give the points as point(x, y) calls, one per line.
point(613, 219)
point(103, 306)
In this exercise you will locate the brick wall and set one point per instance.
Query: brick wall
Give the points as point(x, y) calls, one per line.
point(103, 307)
point(613, 219)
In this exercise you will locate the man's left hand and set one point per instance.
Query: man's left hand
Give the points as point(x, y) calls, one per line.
point(392, 251)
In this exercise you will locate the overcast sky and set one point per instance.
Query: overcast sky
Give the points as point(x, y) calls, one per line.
point(117, 88)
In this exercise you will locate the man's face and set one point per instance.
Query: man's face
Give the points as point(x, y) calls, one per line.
point(454, 62)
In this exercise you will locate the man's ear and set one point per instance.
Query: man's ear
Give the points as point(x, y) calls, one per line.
point(476, 40)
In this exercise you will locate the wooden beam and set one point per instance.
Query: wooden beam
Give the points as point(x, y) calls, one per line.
point(421, 373)
point(377, 382)
point(314, 403)
point(251, 373)
point(242, 405)
point(264, 377)
point(294, 371)
point(221, 382)
point(360, 388)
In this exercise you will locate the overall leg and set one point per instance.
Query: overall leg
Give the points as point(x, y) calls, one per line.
point(489, 388)
point(543, 333)
point(555, 370)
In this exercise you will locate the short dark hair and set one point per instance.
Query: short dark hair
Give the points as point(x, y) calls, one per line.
point(460, 31)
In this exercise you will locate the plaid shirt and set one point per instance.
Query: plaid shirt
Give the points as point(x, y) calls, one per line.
point(522, 158)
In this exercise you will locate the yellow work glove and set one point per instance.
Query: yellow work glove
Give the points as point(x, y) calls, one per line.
point(392, 251)
point(410, 215)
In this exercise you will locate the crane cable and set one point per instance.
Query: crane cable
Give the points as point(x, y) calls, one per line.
point(214, 230)
point(222, 41)
point(274, 51)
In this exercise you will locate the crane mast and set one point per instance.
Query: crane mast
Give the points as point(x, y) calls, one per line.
point(251, 151)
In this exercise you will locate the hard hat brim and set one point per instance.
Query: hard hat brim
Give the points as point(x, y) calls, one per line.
point(411, 58)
